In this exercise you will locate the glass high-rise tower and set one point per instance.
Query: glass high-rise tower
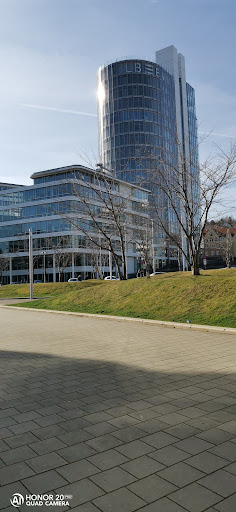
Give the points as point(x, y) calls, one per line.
point(145, 108)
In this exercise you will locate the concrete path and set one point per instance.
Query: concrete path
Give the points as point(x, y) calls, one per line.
point(115, 416)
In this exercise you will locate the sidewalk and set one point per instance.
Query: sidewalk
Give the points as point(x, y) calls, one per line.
point(123, 416)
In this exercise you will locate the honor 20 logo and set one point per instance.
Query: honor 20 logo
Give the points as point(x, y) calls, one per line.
point(17, 500)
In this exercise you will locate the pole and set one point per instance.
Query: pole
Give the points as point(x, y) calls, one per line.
point(126, 257)
point(31, 268)
point(110, 263)
point(44, 266)
point(153, 250)
point(10, 269)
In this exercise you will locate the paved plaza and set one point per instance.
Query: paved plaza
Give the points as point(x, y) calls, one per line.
point(116, 416)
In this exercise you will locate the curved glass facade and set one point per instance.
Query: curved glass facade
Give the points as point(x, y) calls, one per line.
point(136, 116)
point(147, 121)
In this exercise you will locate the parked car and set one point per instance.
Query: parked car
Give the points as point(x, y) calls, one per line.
point(73, 280)
point(156, 273)
point(38, 281)
point(113, 278)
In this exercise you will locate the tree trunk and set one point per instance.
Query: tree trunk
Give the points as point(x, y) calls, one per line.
point(195, 266)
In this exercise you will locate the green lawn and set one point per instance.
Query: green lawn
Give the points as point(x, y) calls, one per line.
point(206, 299)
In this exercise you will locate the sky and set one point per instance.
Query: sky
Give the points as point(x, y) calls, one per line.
point(50, 51)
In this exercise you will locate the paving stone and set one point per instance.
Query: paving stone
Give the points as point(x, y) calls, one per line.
point(82, 491)
point(221, 482)
point(5, 432)
point(14, 472)
point(17, 455)
point(31, 406)
point(200, 397)
point(119, 500)
point(138, 405)
point(74, 424)
point(21, 440)
point(51, 409)
point(107, 459)
point(192, 412)
point(7, 422)
point(113, 479)
point(51, 419)
point(44, 482)
point(195, 498)
point(8, 412)
point(47, 446)
point(203, 423)
point(182, 431)
point(135, 449)
point(207, 462)
point(151, 488)
point(160, 439)
point(226, 450)
point(75, 437)
point(152, 426)
point(193, 445)
point(123, 421)
point(98, 417)
point(144, 414)
point(210, 406)
point(216, 436)
point(26, 416)
point(3, 446)
point(47, 432)
point(169, 455)
point(103, 443)
point(182, 403)
point(222, 416)
point(87, 507)
point(163, 505)
point(228, 505)
point(46, 462)
point(77, 470)
point(173, 418)
point(100, 429)
point(21, 428)
point(142, 466)
point(165, 408)
point(76, 452)
point(180, 474)
point(231, 468)
point(129, 434)
point(230, 426)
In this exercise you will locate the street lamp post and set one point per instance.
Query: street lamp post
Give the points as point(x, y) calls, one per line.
point(31, 267)
point(44, 266)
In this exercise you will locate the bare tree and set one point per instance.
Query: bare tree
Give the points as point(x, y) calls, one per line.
point(4, 265)
point(143, 239)
point(186, 193)
point(101, 213)
point(62, 256)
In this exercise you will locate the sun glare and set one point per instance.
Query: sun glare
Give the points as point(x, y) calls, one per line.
point(101, 93)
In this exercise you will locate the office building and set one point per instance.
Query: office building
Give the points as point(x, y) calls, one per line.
point(144, 108)
point(49, 207)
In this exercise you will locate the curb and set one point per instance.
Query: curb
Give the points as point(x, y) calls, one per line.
point(157, 323)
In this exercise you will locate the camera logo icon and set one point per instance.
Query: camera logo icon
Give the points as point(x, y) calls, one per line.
point(17, 500)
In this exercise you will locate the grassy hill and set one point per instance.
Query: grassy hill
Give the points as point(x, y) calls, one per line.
point(206, 299)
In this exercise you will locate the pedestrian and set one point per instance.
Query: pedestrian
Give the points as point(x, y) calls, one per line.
point(138, 273)
point(86, 277)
